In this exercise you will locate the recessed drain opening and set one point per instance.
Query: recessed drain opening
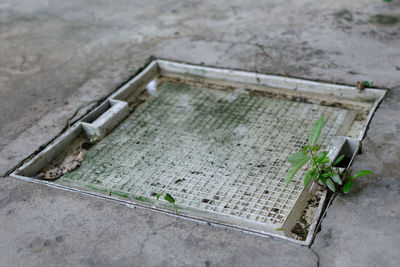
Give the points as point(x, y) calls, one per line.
point(216, 140)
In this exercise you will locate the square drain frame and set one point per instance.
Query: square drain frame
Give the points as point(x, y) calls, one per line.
point(254, 89)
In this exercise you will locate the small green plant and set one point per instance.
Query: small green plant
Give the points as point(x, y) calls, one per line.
point(322, 170)
point(168, 198)
point(361, 85)
point(93, 139)
point(368, 84)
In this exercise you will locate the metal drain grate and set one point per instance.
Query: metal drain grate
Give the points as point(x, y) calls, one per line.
point(213, 151)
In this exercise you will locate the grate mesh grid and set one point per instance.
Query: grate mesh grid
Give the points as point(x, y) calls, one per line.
point(213, 151)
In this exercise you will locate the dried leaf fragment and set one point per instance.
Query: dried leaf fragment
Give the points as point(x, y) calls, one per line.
point(69, 164)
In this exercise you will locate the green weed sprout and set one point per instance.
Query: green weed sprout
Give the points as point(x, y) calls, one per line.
point(322, 170)
point(168, 198)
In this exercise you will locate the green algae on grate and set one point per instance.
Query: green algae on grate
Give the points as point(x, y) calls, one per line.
point(216, 152)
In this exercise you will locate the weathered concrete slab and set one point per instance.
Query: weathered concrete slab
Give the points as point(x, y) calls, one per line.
point(44, 226)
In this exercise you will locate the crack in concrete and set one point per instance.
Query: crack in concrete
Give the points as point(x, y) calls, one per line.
point(150, 234)
point(316, 254)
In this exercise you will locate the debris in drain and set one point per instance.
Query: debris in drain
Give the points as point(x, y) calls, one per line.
point(179, 181)
point(205, 200)
point(302, 227)
point(299, 99)
point(70, 163)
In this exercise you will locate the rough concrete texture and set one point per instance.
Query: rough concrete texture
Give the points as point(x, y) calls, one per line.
point(68, 229)
point(58, 56)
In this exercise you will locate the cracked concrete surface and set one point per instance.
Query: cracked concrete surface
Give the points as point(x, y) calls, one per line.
point(58, 56)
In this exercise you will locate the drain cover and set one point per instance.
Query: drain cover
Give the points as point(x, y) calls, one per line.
point(219, 149)
point(213, 151)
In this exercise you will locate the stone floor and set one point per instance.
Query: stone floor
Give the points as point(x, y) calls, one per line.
point(57, 57)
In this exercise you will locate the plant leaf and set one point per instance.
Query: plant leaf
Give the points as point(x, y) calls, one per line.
point(320, 156)
point(169, 198)
point(296, 157)
point(315, 131)
point(335, 177)
point(314, 175)
point(316, 148)
point(307, 177)
point(294, 168)
point(338, 160)
point(327, 174)
point(362, 173)
point(324, 160)
point(304, 150)
point(330, 185)
point(93, 139)
point(348, 186)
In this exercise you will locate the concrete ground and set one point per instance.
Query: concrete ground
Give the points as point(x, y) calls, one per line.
point(58, 56)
